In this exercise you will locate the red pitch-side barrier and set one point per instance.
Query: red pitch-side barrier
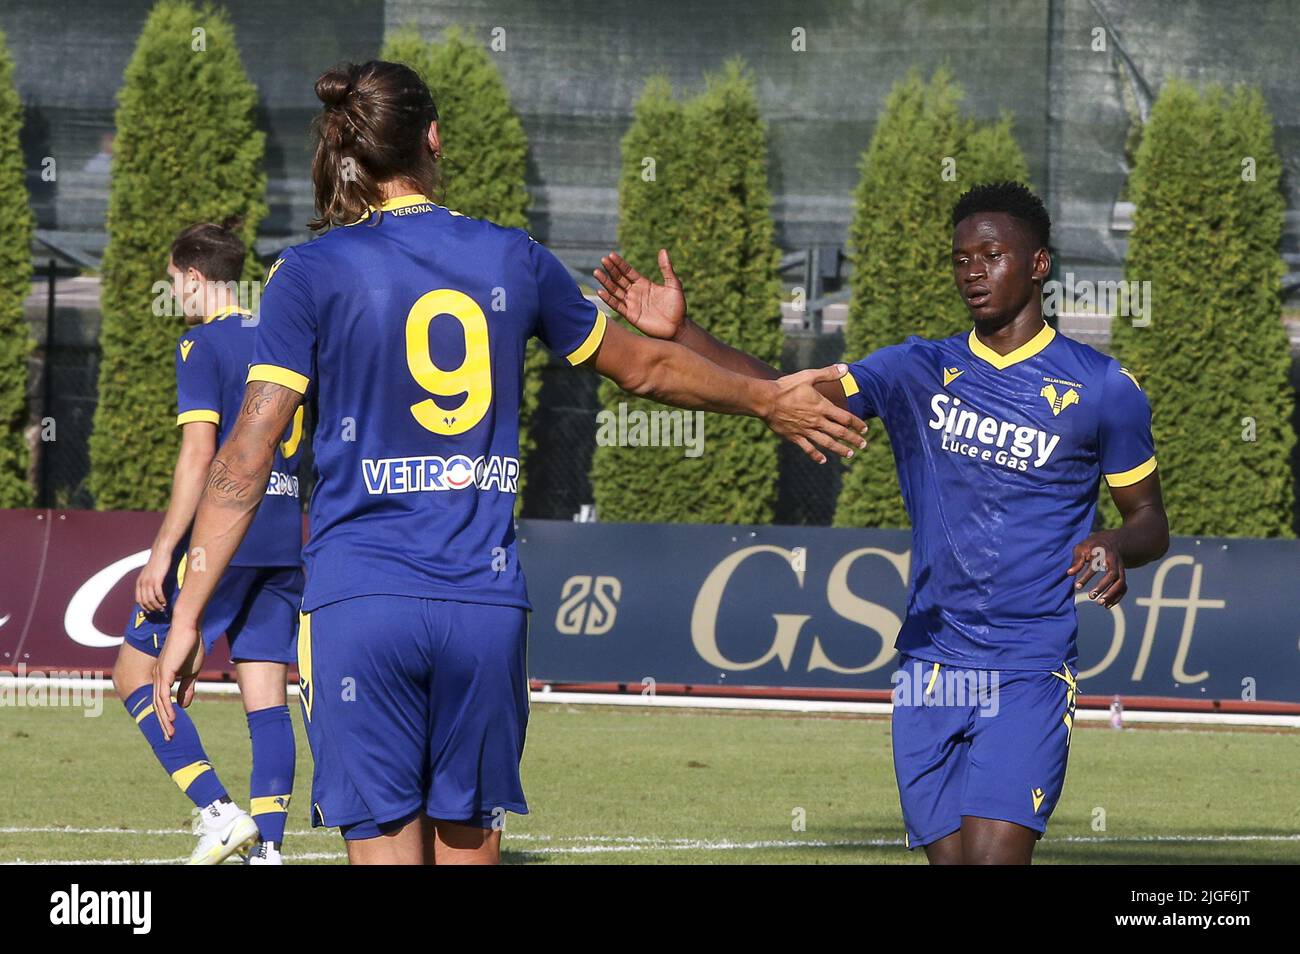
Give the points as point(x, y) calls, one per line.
point(67, 581)
point(67, 586)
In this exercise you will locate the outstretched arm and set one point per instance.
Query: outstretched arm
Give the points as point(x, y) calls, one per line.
point(1143, 537)
point(235, 487)
point(660, 312)
point(790, 406)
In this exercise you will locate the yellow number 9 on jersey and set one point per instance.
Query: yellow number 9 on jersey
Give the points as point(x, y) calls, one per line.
point(474, 376)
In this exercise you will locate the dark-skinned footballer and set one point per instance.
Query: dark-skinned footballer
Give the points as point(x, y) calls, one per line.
point(1001, 436)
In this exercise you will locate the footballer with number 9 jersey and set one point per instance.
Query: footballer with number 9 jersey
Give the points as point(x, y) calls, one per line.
point(1001, 436)
point(411, 323)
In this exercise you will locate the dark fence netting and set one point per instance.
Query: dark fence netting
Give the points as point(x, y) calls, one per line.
point(1076, 76)
point(63, 387)
point(564, 426)
point(1074, 105)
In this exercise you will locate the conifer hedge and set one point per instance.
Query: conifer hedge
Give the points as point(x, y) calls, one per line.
point(1214, 358)
point(187, 150)
point(705, 198)
point(922, 156)
point(15, 284)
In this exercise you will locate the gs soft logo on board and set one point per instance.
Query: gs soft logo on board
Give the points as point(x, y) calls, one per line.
point(788, 627)
point(588, 605)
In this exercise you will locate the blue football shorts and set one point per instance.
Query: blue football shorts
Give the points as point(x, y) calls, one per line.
point(414, 705)
point(256, 608)
point(979, 742)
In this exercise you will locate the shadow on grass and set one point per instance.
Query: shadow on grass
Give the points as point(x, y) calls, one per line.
point(877, 844)
point(1170, 853)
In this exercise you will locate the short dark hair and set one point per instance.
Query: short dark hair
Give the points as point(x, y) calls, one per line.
point(1013, 198)
point(216, 251)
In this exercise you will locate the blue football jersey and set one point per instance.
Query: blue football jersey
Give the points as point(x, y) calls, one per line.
point(412, 326)
point(999, 460)
point(212, 361)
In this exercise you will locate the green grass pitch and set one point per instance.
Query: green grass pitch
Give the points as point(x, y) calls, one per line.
point(611, 785)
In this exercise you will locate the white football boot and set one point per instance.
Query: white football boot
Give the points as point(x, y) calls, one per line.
point(223, 829)
point(264, 853)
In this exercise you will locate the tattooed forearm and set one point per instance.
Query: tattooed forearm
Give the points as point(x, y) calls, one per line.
point(235, 486)
point(239, 472)
point(265, 406)
point(255, 404)
point(224, 486)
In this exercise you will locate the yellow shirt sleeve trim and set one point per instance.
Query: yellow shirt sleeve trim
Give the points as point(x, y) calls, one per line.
point(588, 347)
point(277, 375)
point(201, 415)
point(1132, 476)
point(850, 384)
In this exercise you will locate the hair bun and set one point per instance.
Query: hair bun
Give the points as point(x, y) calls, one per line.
point(232, 223)
point(335, 85)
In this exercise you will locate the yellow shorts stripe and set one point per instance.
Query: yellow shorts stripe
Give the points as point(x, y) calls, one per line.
point(201, 416)
point(1071, 694)
point(1132, 476)
point(305, 687)
point(268, 804)
point(1067, 677)
point(594, 338)
point(277, 375)
point(184, 777)
point(934, 677)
